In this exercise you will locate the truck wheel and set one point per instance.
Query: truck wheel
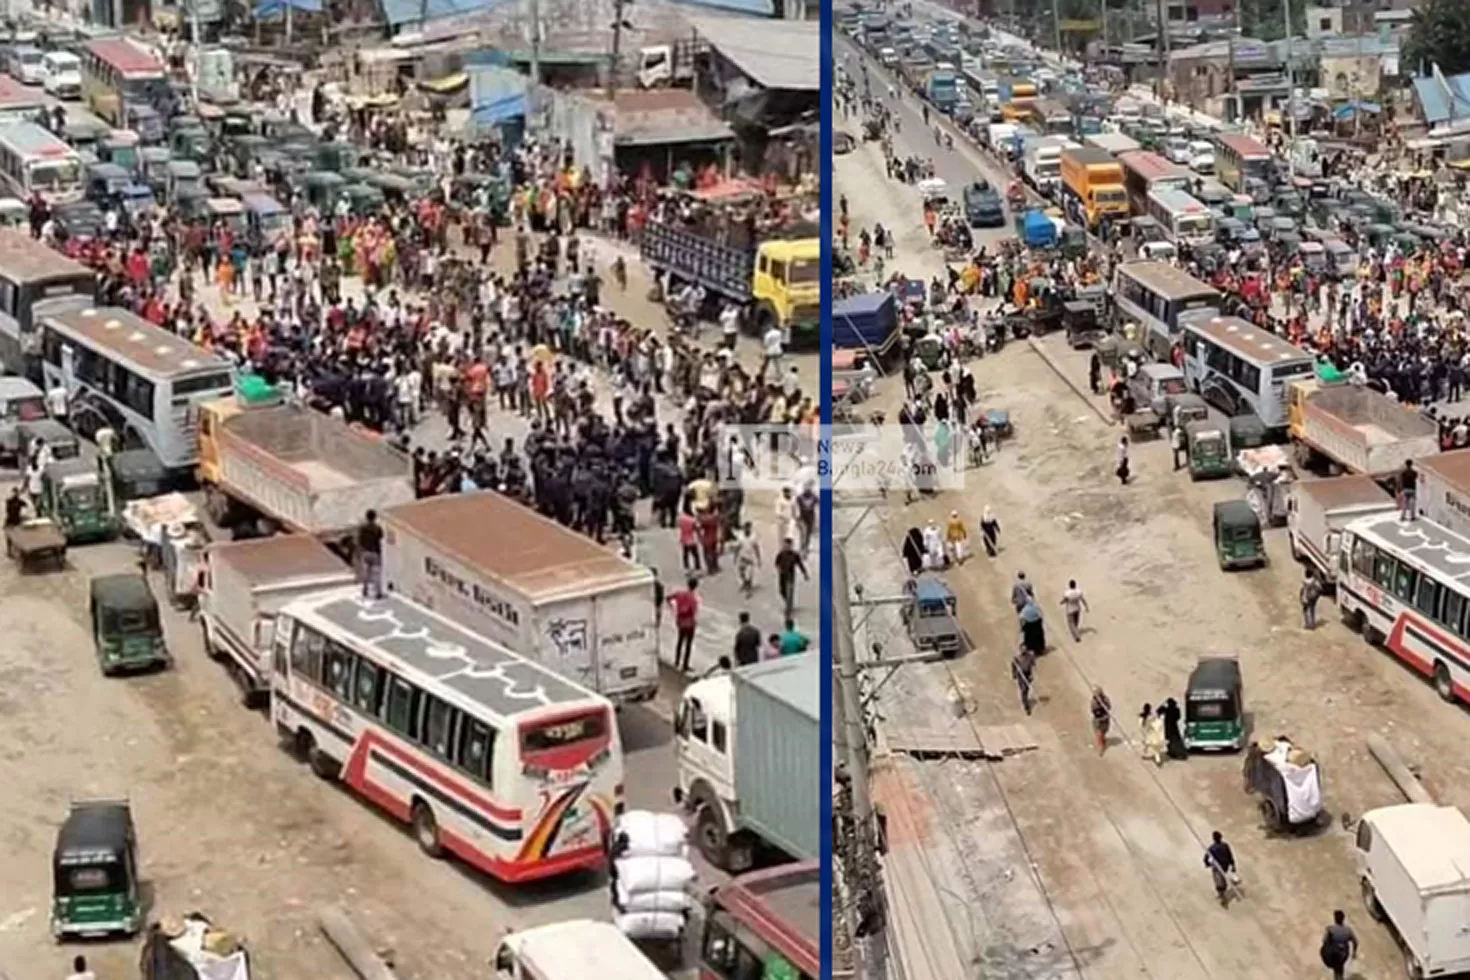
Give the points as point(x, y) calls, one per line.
point(211, 648)
point(426, 830)
point(1371, 903)
point(1412, 969)
point(1372, 634)
point(1443, 686)
point(711, 837)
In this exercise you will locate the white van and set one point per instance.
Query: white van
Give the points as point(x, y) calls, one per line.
point(572, 950)
point(1414, 865)
point(24, 65)
point(63, 74)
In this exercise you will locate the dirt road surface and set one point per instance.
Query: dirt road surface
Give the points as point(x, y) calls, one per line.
point(1058, 862)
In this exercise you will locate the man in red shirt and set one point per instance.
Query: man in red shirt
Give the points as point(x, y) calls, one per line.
point(686, 618)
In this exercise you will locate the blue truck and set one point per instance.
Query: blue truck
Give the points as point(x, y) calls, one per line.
point(942, 89)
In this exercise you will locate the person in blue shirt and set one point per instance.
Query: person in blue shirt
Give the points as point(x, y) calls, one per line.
point(793, 641)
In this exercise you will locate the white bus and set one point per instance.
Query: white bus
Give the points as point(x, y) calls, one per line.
point(35, 279)
point(1406, 584)
point(33, 160)
point(492, 758)
point(1184, 220)
point(124, 373)
point(1160, 297)
point(1240, 368)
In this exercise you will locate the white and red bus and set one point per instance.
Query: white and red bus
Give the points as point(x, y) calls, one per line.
point(1145, 173)
point(488, 756)
point(764, 924)
point(1406, 584)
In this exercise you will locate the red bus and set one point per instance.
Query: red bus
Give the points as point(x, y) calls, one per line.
point(765, 925)
point(1238, 158)
point(1145, 172)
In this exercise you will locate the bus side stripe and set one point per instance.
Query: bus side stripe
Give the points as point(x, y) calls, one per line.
point(408, 769)
point(1425, 634)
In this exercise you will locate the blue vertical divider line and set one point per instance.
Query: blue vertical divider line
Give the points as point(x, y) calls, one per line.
point(825, 573)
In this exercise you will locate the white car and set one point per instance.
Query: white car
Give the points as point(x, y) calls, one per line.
point(24, 65)
point(1177, 151)
point(63, 73)
point(1202, 158)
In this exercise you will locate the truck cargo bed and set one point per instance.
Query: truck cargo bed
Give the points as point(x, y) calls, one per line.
point(307, 470)
point(1364, 430)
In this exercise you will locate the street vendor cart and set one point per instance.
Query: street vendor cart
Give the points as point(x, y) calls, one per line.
point(36, 543)
point(1289, 784)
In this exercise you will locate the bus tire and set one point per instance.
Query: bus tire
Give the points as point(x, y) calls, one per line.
point(1352, 619)
point(324, 765)
point(1372, 634)
point(302, 745)
point(1443, 685)
point(426, 830)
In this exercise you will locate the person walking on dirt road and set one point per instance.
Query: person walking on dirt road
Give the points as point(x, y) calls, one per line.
point(1073, 602)
point(1220, 859)
point(1311, 591)
point(1339, 945)
point(1102, 718)
point(1023, 672)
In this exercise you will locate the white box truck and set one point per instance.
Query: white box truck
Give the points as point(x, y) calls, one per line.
point(1318, 510)
point(551, 595)
point(1444, 490)
point(1414, 866)
point(742, 740)
point(248, 583)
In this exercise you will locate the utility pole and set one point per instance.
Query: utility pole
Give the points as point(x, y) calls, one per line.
point(199, 45)
point(1234, 92)
point(617, 49)
point(1163, 15)
point(1056, 21)
point(535, 12)
point(860, 857)
point(1290, 93)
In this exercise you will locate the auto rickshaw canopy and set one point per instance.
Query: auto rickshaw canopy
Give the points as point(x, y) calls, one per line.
point(114, 596)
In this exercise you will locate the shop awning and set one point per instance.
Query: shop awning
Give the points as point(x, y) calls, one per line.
point(448, 85)
point(500, 110)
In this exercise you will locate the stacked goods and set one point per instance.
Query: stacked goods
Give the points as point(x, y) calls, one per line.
point(651, 875)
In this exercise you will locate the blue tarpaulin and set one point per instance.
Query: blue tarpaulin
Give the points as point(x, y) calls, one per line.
point(1349, 109)
point(1037, 229)
point(500, 110)
point(862, 321)
point(271, 9)
point(400, 12)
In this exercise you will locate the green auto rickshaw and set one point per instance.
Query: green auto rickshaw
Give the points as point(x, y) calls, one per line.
point(135, 474)
point(1214, 706)
point(364, 199)
point(126, 627)
point(78, 500)
point(1237, 535)
point(1208, 449)
point(95, 872)
point(321, 189)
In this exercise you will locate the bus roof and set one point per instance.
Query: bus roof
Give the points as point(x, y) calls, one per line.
point(786, 901)
point(127, 56)
point(478, 671)
point(14, 95)
point(25, 259)
point(1150, 166)
point(28, 138)
point(1178, 201)
point(1246, 340)
point(152, 349)
point(1168, 281)
point(1436, 548)
point(497, 536)
point(1243, 146)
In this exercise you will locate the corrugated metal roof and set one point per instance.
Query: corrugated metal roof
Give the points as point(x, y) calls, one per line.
point(1442, 98)
point(400, 12)
point(760, 8)
point(776, 54)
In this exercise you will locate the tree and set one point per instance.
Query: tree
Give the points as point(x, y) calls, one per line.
point(1439, 34)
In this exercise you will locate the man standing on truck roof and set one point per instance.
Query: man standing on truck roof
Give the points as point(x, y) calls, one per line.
point(1408, 490)
point(370, 555)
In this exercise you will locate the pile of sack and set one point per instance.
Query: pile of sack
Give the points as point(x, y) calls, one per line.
point(651, 875)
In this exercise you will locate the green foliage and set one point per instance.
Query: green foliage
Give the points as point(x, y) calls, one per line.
point(1265, 20)
point(1439, 34)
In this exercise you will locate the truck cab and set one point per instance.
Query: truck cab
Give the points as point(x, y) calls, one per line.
point(704, 757)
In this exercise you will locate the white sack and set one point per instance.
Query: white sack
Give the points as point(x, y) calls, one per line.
point(653, 874)
point(650, 925)
point(653, 834)
point(660, 901)
point(1303, 792)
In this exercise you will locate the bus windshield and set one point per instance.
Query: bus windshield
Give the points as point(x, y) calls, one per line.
point(1194, 224)
point(55, 175)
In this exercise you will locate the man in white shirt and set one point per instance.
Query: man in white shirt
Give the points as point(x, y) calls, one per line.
point(773, 346)
point(730, 325)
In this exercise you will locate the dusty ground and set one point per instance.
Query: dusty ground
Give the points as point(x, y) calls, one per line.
point(1060, 863)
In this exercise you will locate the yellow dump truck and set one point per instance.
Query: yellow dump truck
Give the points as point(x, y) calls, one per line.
point(1092, 186)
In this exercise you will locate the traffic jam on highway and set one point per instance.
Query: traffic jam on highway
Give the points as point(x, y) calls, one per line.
point(1203, 381)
